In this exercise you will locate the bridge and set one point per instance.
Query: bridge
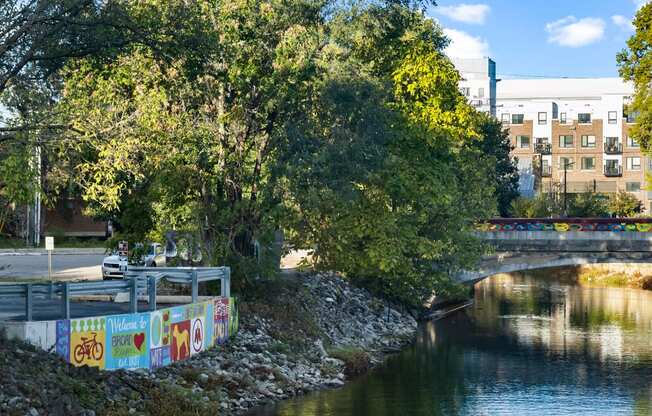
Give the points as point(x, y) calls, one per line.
point(529, 244)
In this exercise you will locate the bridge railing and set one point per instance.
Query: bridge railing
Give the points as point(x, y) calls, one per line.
point(566, 224)
point(137, 281)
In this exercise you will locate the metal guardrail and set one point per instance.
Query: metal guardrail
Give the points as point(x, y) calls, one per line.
point(137, 281)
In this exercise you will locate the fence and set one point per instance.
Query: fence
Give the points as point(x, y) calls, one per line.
point(138, 281)
point(643, 225)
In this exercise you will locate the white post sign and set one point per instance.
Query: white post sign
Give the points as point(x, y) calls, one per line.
point(49, 246)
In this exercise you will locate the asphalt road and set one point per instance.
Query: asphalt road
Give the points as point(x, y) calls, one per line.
point(64, 267)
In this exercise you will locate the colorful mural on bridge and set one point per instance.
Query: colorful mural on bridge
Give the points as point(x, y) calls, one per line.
point(565, 225)
point(149, 339)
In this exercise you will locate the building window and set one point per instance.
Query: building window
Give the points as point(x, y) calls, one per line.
point(543, 118)
point(633, 186)
point(588, 141)
point(565, 141)
point(562, 118)
point(504, 118)
point(523, 142)
point(613, 117)
point(465, 91)
point(634, 163)
point(630, 116)
point(480, 92)
point(584, 118)
point(631, 142)
point(588, 163)
point(517, 118)
point(565, 161)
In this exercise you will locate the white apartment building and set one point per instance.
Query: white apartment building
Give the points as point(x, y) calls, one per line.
point(478, 82)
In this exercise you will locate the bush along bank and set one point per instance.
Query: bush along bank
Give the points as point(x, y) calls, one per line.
point(296, 335)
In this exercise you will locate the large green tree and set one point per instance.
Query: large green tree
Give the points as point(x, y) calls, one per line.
point(340, 124)
point(636, 66)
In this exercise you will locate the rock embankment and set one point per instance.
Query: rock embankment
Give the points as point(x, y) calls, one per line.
point(295, 336)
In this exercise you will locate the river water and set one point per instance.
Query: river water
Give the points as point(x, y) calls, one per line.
point(529, 346)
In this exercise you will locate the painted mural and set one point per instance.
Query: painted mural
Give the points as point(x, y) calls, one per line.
point(614, 225)
point(147, 340)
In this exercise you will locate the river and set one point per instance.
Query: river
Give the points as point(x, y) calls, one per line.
point(528, 346)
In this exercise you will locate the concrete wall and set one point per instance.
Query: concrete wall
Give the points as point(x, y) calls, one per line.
point(572, 241)
point(130, 341)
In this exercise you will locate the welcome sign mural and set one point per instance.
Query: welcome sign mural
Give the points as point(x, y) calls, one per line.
point(147, 340)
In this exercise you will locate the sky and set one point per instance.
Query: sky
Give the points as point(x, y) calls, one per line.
point(547, 38)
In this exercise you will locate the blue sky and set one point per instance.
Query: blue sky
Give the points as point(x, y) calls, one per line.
point(572, 38)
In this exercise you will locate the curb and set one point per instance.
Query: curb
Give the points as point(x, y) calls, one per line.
point(55, 252)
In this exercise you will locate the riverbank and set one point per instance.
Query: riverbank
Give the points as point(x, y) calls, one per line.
point(297, 335)
point(631, 275)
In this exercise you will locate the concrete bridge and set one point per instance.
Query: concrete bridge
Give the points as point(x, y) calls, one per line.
point(529, 244)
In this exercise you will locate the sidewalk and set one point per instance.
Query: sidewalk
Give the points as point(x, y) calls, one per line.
point(55, 252)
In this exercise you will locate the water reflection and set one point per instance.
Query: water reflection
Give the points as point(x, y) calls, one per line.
point(529, 346)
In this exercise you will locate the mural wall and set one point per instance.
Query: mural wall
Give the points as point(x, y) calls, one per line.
point(559, 225)
point(147, 340)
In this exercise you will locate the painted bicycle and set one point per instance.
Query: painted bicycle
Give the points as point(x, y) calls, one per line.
point(89, 349)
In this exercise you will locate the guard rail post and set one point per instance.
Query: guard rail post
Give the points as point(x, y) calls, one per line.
point(195, 286)
point(225, 283)
point(65, 301)
point(151, 291)
point(28, 302)
point(133, 295)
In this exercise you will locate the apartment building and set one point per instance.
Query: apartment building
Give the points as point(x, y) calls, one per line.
point(478, 82)
point(574, 131)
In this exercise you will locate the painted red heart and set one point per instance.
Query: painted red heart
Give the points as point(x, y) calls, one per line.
point(139, 339)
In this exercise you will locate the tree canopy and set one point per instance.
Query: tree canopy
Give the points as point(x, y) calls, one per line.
point(340, 125)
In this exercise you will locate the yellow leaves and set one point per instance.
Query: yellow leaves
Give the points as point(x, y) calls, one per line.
point(426, 91)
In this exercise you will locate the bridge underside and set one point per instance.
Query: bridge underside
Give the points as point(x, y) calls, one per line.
point(515, 262)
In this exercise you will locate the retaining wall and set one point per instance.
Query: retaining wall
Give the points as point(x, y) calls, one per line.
point(130, 341)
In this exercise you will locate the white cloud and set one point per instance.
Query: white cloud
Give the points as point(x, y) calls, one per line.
point(474, 14)
point(623, 22)
point(574, 33)
point(464, 45)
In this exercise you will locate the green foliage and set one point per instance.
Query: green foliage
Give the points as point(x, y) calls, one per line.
point(551, 204)
point(624, 204)
point(235, 119)
point(636, 65)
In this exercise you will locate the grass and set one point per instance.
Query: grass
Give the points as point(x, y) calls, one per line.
point(356, 360)
point(615, 279)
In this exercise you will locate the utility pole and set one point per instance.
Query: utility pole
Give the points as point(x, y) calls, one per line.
point(566, 165)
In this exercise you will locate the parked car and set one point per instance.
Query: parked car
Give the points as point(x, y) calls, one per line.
point(114, 266)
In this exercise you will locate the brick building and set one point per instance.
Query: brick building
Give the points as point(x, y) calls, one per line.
point(580, 124)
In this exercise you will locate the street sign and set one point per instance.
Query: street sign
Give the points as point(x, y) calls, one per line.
point(49, 246)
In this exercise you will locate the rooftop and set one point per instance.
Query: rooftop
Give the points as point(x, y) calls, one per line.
point(562, 88)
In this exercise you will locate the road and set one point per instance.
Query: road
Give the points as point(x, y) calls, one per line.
point(64, 267)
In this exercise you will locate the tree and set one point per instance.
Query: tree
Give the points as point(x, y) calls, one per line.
point(389, 190)
point(342, 125)
point(495, 143)
point(636, 66)
point(624, 204)
point(194, 132)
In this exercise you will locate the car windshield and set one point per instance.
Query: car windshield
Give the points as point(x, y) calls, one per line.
point(150, 250)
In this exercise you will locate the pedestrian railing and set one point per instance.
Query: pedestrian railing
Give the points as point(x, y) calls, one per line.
point(138, 281)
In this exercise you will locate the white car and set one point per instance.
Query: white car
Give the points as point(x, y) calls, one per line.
point(114, 266)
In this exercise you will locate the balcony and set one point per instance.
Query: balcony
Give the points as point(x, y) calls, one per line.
point(613, 148)
point(546, 171)
point(542, 148)
point(613, 171)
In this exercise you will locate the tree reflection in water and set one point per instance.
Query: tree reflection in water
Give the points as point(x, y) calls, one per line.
point(529, 346)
